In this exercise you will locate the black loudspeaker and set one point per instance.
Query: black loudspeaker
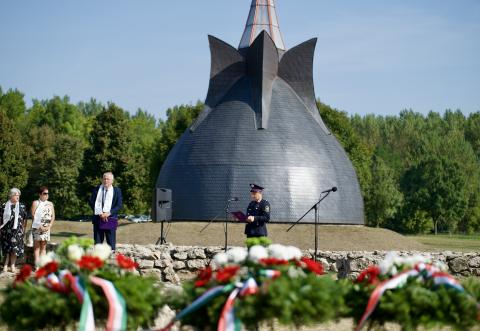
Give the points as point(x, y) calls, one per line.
point(162, 205)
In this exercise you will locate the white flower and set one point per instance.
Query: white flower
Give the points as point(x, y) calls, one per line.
point(221, 259)
point(295, 272)
point(293, 253)
point(257, 253)
point(278, 251)
point(45, 259)
point(102, 251)
point(441, 265)
point(237, 255)
point(388, 263)
point(75, 252)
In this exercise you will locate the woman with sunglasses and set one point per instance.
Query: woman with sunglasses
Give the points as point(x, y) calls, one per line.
point(13, 229)
point(43, 214)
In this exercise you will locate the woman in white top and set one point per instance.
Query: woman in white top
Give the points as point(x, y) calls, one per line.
point(12, 229)
point(43, 214)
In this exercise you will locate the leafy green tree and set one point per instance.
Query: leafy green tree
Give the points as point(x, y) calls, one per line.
point(13, 157)
point(142, 171)
point(110, 141)
point(12, 104)
point(112, 149)
point(40, 154)
point(59, 114)
point(63, 173)
point(472, 132)
point(418, 223)
point(357, 149)
point(383, 200)
point(438, 187)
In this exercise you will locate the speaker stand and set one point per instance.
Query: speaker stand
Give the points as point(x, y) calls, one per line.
point(163, 238)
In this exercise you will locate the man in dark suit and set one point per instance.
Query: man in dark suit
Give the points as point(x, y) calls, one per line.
point(258, 213)
point(106, 202)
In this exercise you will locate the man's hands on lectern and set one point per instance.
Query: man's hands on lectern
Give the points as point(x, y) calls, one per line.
point(250, 219)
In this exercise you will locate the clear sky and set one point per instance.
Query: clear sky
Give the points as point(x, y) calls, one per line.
point(373, 56)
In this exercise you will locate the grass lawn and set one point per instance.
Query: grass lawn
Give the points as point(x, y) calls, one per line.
point(330, 238)
point(445, 242)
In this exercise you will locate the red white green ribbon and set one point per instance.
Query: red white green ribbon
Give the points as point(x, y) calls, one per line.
point(228, 321)
point(272, 274)
point(199, 303)
point(87, 320)
point(117, 309)
point(425, 271)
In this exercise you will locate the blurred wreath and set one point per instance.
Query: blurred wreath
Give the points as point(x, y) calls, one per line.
point(251, 286)
point(80, 285)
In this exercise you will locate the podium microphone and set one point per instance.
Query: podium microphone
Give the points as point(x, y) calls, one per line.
point(333, 189)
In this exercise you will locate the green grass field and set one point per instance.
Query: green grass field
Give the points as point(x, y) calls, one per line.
point(445, 242)
point(331, 238)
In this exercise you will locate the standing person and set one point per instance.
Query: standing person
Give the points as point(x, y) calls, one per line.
point(43, 213)
point(13, 229)
point(258, 213)
point(106, 202)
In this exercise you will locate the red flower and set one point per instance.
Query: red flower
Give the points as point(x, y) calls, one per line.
point(370, 275)
point(226, 274)
point(312, 266)
point(204, 277)
point(46, 270)
point(23, 274)
point(273, 261)
point(90, 263)
point(126, 262)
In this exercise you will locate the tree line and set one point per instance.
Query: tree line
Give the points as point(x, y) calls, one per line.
point(418, 173)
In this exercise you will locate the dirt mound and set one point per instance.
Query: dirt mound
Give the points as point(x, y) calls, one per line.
point(331, 237)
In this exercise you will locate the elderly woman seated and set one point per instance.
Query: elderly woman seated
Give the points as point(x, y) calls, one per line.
point(12, 229)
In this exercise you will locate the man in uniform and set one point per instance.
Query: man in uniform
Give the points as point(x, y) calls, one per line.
point(258, 213)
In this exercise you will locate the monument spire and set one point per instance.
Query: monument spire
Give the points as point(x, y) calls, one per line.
point(262, 17)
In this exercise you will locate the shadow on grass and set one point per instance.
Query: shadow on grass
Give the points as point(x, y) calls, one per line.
point(67, 234)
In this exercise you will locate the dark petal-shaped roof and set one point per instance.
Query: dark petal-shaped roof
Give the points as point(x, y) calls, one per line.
point(294, 159)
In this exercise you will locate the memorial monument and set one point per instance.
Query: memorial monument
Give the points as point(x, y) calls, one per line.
point(261, 125)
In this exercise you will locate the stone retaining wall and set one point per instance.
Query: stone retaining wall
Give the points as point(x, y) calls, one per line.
point(176, 263)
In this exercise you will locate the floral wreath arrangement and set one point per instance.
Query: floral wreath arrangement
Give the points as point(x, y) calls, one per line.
point(251, 286)
point(412, 292)
point(80, 285)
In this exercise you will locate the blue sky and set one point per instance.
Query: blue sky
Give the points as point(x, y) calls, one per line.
point(373, 56)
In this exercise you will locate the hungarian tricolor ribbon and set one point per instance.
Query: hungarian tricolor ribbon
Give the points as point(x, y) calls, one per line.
point(199, 303)
point(117, 308)
point(422, 270)
point(87, 319)
point(117, 311)
point(227, 321)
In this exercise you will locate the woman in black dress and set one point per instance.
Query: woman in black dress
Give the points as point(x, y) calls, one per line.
point(12, 229)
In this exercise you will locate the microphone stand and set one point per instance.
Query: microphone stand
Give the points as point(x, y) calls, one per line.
point(210, 222)
point(227, 212)
point(314, 207)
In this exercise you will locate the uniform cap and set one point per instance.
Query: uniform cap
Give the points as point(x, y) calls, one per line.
point(256, 188)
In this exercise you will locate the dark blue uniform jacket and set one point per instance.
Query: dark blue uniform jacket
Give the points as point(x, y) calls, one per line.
point(261, 212)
